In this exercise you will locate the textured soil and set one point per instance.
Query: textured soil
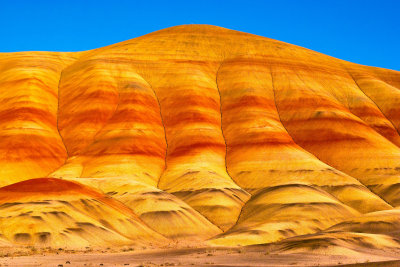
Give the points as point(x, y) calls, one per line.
point(250, 256)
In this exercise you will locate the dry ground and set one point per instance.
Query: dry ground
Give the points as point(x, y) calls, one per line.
point(245, 256)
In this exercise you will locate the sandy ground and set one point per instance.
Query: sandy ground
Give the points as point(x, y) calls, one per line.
point(249, 256)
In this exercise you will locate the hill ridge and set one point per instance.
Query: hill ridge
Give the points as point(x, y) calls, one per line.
point(205, 134)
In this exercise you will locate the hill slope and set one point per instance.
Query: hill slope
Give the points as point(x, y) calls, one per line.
point(199, 133)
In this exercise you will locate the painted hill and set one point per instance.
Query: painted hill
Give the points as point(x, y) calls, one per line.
point(197, 133)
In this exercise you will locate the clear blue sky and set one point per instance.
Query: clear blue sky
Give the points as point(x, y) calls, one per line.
point(361, 31)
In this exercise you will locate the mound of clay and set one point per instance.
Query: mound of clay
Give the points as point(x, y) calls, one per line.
point(57, 213)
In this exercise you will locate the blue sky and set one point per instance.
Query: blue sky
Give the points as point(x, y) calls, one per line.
point(361, 31)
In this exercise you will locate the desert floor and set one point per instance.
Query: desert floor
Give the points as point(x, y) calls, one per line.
point(245, 256)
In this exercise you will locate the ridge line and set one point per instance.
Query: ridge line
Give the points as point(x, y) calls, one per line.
point(58, 111)
point(279, 115)
point(58, 129)
point(384, 115)
point(165, 131)
point(222, 131)
point(57, 117)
